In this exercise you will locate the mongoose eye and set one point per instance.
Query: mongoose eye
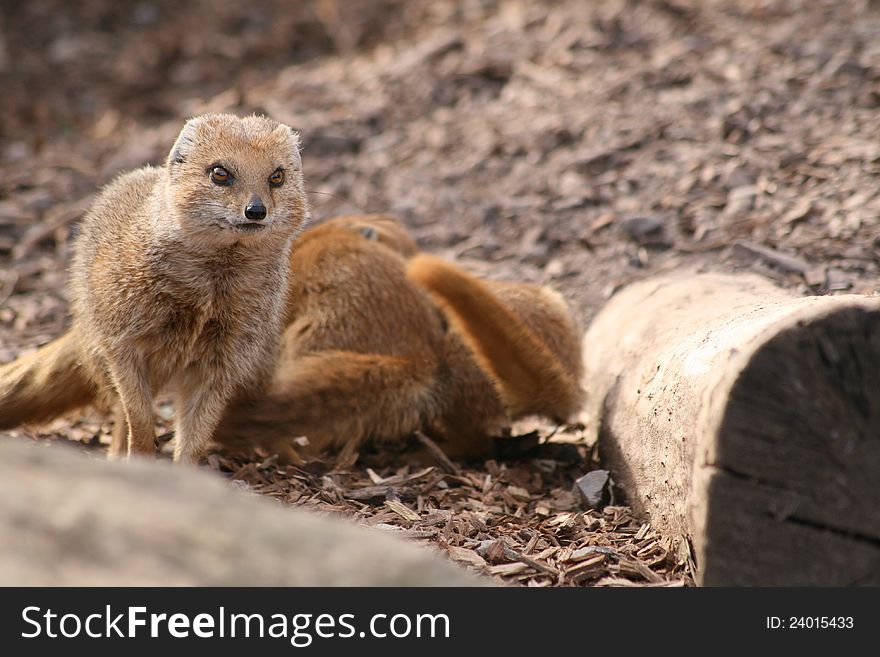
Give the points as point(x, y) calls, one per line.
point(369, 232)
point(277, 178)
point(220, 176)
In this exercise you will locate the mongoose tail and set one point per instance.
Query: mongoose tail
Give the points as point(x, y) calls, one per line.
point(45, 384)
point(529, 376)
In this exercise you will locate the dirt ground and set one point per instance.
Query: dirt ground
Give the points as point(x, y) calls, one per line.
point(580, 144)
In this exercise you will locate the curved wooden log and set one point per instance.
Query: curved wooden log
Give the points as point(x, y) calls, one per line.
point(745, 421)
point(68, 519)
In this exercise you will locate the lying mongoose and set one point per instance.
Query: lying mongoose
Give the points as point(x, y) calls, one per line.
point(179, 280)
point(378, 347)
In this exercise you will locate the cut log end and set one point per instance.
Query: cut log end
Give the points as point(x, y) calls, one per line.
point(794, 493)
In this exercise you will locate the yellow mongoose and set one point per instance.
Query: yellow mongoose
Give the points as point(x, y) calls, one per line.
point(378, 347)
point(179, 279)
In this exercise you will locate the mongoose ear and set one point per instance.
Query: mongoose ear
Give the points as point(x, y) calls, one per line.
point(185, 141)
point(295, 147)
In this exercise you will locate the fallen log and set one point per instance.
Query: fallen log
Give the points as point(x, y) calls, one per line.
point(746, 422)
point(70, 520)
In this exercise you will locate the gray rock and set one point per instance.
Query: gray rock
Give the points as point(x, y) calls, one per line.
point(645, 230)
point(68, 519)
point(594, 488)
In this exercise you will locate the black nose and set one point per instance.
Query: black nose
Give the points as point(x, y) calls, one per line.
point(255, 210)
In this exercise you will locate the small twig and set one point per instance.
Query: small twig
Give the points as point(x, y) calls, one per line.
point(437, 454)
point(347, 457)
point(8, 285)
point(783, 261)
point(53, 220)
point(513, 555)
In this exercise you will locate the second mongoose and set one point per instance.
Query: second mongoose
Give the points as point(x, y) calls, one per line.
point(383, 341)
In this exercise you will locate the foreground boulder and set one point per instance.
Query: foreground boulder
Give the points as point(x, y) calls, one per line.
point(745, 422)
point(69, 519)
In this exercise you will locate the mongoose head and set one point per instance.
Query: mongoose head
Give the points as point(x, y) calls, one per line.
point(381, 228)
point(235, 179)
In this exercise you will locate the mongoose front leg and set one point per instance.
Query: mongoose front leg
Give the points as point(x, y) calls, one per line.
point(119, 440)
point(136, 399)
point(200, 403)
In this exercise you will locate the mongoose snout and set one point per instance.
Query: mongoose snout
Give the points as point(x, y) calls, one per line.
point(255, 210)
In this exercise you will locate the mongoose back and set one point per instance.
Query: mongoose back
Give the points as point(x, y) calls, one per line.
point(179, 279)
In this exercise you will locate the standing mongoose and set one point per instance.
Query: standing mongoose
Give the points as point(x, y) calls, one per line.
point(179, 280)
point(383, 341)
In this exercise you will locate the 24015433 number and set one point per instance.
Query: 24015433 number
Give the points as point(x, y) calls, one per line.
point(810, 623)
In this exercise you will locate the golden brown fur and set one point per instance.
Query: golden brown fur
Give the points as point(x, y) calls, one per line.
point(369, 354)
point(522, 334)
point(44, 384)
point(382, 228)
point(172, 286)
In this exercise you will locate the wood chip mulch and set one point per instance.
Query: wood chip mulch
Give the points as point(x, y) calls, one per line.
point(520, 523)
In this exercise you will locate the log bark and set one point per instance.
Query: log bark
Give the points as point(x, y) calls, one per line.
point(746, 422)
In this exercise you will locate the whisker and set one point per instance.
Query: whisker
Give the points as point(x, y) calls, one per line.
point(342, 199)
point(335, 196)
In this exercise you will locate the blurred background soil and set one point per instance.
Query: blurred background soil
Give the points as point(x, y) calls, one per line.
point(576, 143)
